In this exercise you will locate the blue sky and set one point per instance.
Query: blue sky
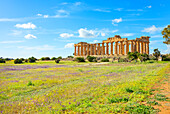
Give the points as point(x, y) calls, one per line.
point(51, 27)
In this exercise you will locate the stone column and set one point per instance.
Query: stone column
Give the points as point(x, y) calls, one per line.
point(116, 48)
point(95, 49)
point(103, 49)
point(111, 48)
point(123, 49)
point(119, 49)
point(147, 50)
point(99, 49)
point(75, 53)
point(141, 47)
point(134, 47)
point(78, 50)
point(138, 46)
point(88, 46)
point(131, 46)
point(81, 49)
point(84, 50)
point(127, 47)
point(144, 47)
point(107, 48)
point(91, 47)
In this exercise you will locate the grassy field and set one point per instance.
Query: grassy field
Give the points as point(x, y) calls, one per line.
point(47, 87)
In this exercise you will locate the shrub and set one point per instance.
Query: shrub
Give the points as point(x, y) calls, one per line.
point(26, 60)
point(122, 60)
point(32, 60)
point(59, 57)
point(22, 59)
point(2, 61)
point(166, 58)
point(57, 60)
point(30, 84)
point(70, 57)
point(45, 58)
point(17, 61)
point(80, 59)
point(105, 60)
point(91, 58)
point(53, 58)
point(129, 90)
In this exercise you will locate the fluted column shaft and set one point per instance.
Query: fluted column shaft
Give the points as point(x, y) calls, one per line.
point(147, 50)
point(84, 47)
point(81, 49)
point(107, 48)
point(75, 53)
point(78, 50)
point(91, 49)
point(88, 46)
point(131, 46)
point(141, 47)
point(138, 46)
point(116, 48)
point(111, 48)
point(99, 49)
point(127, 47)
point(103, 49)
point(95, 49)
point(121, 47)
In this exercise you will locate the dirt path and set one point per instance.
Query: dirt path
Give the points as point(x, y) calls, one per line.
point(163, 89)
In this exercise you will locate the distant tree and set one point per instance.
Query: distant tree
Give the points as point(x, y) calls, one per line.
point(59, 57)
point(156, 53)
point(2, 60)
point(17, 61)
point(166, 34)
point(32, 60)
point(53, 58)
point(70, 57)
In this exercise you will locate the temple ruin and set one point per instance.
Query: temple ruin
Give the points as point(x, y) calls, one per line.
point(121, 47)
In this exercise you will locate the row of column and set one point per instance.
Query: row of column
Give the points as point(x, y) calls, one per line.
point(121, 48)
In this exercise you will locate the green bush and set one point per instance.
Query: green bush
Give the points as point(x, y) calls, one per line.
point(32, 60)
point(105, 60)
point(2, 61)
point(166, 58)
point(30, 84)
point(45, 58)
point(57, 60)
point(80, 59)
point(91, 58)
point(59, 57)
point(17, 61)
point(53, 58)
point(70, 57)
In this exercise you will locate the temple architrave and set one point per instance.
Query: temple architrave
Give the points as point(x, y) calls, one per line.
point(113, 46)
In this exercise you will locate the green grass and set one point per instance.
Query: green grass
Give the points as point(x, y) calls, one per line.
point(79, 87)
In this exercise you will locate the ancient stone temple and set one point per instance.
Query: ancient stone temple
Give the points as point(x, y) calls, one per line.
point(113, 46)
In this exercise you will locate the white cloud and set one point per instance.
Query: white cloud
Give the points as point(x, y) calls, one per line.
point(168, 49)
point(77, 3)
point(114, 31)
point(66, 35)
point(69, 45)
point(134, 10)
point(101, 10)
point(119, 9)
point(152, 29)
point(39, 14)
point(10, 42)
point(26, 26)
point(127, 34)
point(103, 34)
point(116, 21)
point(30, 36)
point(45, 16)
point(149, 6)
point(8, 19)
point(38, 48)
point(64, 3)
point(84, 33)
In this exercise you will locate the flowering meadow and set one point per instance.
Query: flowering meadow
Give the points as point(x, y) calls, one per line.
point(70, 87)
